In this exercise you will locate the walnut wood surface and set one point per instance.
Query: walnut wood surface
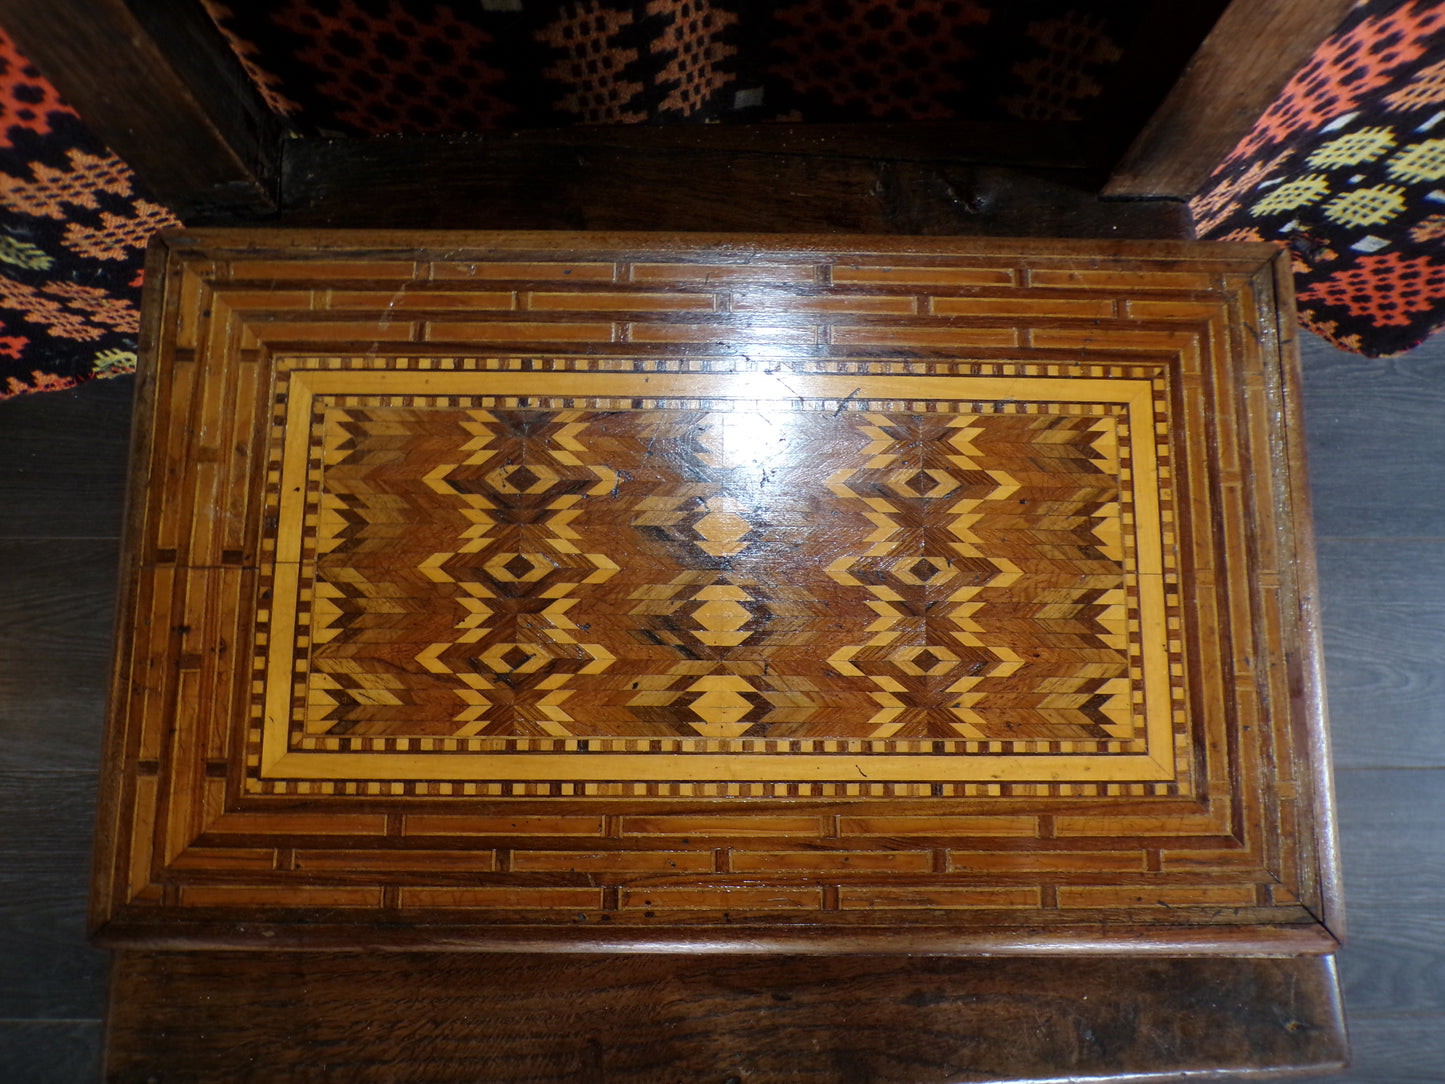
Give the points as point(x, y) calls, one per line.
point(277, 1016)
point(1060, 146)
point(347, 442)
point(912, 182)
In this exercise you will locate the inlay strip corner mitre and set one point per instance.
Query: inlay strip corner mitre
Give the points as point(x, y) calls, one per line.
point(560, 589)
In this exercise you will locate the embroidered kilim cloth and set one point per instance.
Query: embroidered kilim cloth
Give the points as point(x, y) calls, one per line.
point(76, 223)
point(1344, 168)
point(379, 67)
point(1347, 168)
point(75, 227)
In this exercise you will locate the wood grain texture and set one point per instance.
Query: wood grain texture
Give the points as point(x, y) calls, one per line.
point(1394, 963)
point(1405, 1048)
point(388, 659)
point(274, 1016)
point(1391, 967)
point(1042, 145)
point(171, 99)
point(53, 677)
point(49, 812)
point(1237, 72)
point(44, 868)
point(1384, 603)
point(42, 935)
point(1392, 818)
point(50, 1051)
point(1375, 442)
point(64, 461)
point(531, 185)
point(62, 464)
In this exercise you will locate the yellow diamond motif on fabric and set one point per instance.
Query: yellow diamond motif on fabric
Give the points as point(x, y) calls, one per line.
point(1350, 150)
point(1287, 197)
point(1419, 162)
point(1367, 206)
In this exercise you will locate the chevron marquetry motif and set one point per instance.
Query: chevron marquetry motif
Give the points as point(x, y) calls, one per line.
point(637, 574)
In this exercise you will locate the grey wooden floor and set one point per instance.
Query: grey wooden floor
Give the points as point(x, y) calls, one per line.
point(1377, 440)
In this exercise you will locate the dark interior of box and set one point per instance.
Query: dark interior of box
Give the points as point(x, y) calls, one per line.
point(377, 67)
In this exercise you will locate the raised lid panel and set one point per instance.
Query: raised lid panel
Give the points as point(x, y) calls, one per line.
point(924, 594)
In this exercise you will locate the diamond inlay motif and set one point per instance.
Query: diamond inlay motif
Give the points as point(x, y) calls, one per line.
point(634, 574)
point(722, 530)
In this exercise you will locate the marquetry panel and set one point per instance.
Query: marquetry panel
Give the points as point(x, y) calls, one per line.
point(560, 589)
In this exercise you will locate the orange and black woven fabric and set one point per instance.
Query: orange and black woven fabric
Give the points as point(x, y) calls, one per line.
point(377, 67)
point(72, 241)
point(1347, 167)
point(75, 221)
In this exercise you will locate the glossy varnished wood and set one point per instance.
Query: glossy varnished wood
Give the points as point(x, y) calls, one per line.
point(781, 1021)
point(452, 788)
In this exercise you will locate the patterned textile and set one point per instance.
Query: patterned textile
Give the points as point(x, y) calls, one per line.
point(1347, 168)
point(380, 67)
point(72, 241)
point(75, 221)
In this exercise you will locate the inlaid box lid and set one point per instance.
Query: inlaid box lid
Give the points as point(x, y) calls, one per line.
point(586, 590)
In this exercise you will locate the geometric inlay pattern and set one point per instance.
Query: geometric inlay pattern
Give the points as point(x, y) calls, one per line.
point(649, 571)
point(533, 590)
